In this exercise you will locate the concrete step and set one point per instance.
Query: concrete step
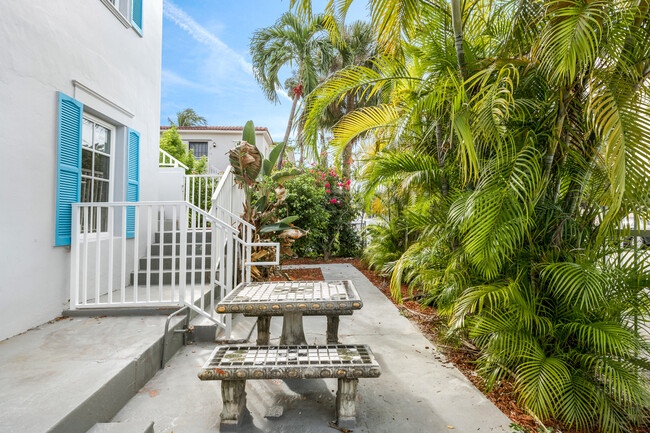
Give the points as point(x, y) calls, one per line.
point(167, 249)
point(199, 276)
point(200, 262)
point(123, 427)
point(190, 237)
point(67, 375)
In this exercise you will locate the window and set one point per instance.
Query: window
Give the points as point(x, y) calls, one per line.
point(199, 148)
point(85, 161)
point(97, 140)
point(129, 12)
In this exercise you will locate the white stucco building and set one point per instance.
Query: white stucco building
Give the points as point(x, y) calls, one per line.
point(215, 142)
point(80, 89)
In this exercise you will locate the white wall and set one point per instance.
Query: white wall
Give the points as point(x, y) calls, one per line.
point(221, 141)
point(44, 46)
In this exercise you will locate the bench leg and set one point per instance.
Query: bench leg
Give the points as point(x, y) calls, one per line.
point(332, 329)
point(263, 330)
point(233, 394)
point(346, 398)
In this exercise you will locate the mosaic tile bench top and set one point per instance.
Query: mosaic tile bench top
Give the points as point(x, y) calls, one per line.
point(276, 298)
point(281, 362)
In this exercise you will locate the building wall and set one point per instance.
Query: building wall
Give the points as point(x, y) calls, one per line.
point(221, 141)
point(44, 46)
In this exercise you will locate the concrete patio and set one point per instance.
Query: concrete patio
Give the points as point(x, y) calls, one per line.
point(418, 391)
point(68, 375)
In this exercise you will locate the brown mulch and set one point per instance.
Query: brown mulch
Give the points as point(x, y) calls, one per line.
point(464, 357)
point(299, 275)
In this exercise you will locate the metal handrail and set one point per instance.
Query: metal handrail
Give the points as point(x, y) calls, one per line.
point(200, 211)
point(173, 162)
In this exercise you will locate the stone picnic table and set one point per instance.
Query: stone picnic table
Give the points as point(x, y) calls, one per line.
point(292, 300)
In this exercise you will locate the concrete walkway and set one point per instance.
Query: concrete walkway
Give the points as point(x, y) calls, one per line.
point(417, 391)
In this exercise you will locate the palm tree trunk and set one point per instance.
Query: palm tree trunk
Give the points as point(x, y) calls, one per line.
point(287, 132)
point(559, 126)
point(457, 24)
point(346, 158)
point(346, 155)
point(444, 187)
point(300, 142)
point(319, 157)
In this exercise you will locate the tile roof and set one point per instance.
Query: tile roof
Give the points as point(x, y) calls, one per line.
point(212, 128)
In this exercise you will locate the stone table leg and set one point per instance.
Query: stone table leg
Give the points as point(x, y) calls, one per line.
point(263, 330)
point(292, 330)
point(233, 394)
point(332, 329)
point(346, 397)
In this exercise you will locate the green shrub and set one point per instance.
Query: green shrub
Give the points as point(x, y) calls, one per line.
point(324, 206)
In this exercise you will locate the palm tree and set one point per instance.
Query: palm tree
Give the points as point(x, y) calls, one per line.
point(303, 44)
point(356, 47)
point(533, 115)
point(188, 117)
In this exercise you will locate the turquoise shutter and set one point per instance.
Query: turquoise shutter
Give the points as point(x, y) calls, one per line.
point(132, 178)
point(136, 16)
point(68, 169)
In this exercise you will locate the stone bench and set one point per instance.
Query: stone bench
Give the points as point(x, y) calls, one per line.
point(234, 365)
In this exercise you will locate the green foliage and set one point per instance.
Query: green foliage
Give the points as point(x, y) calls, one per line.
point(248, 134)
point(188, 117)
point(510, 142)
point(265, 195)
point(171, 142)
point(322, 201)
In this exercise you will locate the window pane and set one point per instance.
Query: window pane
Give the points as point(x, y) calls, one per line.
point(86, 190)
point(102, 166)
point(86, 162)
point(199, 148)
point(87, 133)
point(100, 190)
point(102, 139)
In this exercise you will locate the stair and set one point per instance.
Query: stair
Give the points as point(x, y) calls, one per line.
point(123, 427)
point(198, 259)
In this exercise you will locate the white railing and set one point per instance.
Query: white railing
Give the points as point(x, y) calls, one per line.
point(228, 206)
point(142, 254)
point(199, 189)
point(166, 160)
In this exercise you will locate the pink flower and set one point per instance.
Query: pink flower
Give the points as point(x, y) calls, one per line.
point(327, 184)
point(333, 200)
point(328, 191)
point(347, 182)
point(340, 184)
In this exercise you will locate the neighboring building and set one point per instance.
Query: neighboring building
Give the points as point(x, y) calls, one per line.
point(215, 142)
point(80, 84)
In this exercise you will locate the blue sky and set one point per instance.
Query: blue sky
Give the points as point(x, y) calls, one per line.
point(206, 62)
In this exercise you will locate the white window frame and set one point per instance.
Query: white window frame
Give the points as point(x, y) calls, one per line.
point(121, 9)
point(111, 155)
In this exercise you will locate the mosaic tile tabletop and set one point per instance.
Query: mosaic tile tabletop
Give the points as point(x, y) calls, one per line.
point(277, 362)
point(276, 298)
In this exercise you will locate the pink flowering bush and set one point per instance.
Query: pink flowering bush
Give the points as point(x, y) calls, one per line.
point(322, 201)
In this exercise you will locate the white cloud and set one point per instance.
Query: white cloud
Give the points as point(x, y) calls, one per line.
point(225, 55)
point(170, 78)
point(202, 35)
